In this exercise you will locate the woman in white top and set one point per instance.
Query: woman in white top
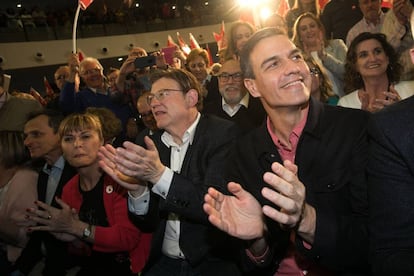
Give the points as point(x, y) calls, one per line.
point(372, 72)
point(309, 36)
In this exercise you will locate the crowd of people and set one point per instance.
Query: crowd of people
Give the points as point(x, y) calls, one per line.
point(293, 156)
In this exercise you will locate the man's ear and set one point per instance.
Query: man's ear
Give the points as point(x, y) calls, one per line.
point(250, 84)
point(191, 97)
point(412, 54)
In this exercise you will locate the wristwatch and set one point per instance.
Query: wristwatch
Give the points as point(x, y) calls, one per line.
point(87, 232)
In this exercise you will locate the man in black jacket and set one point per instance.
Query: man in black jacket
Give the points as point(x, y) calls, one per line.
point(300, 174)
point(172, 171)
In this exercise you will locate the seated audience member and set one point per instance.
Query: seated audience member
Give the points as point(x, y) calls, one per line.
point(93, 215)
point(391, 176)
point(197, 63)
point(275, 21)
point(373, 74)
point(399, 34)
point(309, 35)
point(302, 174)
point(168, 176)
point(112, 77)
point(339, 16)
point(111, 125)
point(391, 179)
point(145, 114)
point(321, 85)
point(239, 33)
point(17, 192)
point(235, 104)
point(372, 20)
point(43, 142)
point(179, 60)
point(298, 8)
point(95, 94)
point(14, 110)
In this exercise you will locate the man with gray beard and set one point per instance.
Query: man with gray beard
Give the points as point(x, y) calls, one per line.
point(235, 103)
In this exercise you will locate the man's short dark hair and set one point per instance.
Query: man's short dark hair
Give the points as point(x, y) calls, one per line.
point(54, 117)
point(245, 61)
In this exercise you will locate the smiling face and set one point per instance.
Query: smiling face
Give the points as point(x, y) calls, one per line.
point(308, 30)
point(92, 74)
point(371, 60)
point(282, 76)
point(232, 89)
point(198, 68)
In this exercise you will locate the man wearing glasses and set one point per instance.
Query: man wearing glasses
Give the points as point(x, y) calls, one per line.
point(235, 103)
point(168, 176)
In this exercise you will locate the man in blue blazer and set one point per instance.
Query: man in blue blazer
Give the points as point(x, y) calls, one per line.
point(170, 173)
point(43, 141)
point(300, 178)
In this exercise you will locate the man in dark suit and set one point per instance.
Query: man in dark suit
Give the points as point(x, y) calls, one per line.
point(235, 103)
point(172, 171)
point(301, 174)
point(43, 141)
point(391, 189)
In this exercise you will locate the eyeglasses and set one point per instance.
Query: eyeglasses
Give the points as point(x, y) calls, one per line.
point(226, 77)
point(161, 94)
point(315, 71)
point(91, 71)
point(145, 115)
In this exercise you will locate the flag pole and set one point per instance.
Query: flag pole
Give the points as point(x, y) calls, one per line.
point(75, 25)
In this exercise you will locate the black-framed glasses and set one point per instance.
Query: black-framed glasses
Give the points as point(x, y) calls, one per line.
point(238, 76)
point(161, 94)
point(315, 71)
point(145, 115)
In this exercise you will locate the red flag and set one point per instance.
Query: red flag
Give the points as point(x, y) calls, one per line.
point(85, 4)
point(322, 3)
point(183, 45)
point(37, 96)
point(48, 88)
point(386, 4)
point(81, 55)
point(170, 42)
point(193, 42)
point(210, 57)
point(220, 38)
point(283, 8)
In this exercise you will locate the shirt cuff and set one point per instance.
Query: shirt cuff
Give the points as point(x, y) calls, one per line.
point(162, 187)
point(139, 205)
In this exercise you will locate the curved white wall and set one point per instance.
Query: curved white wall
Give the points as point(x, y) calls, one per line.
point(22, 54)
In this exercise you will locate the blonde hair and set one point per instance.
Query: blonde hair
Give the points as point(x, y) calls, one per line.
point(80, 122)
